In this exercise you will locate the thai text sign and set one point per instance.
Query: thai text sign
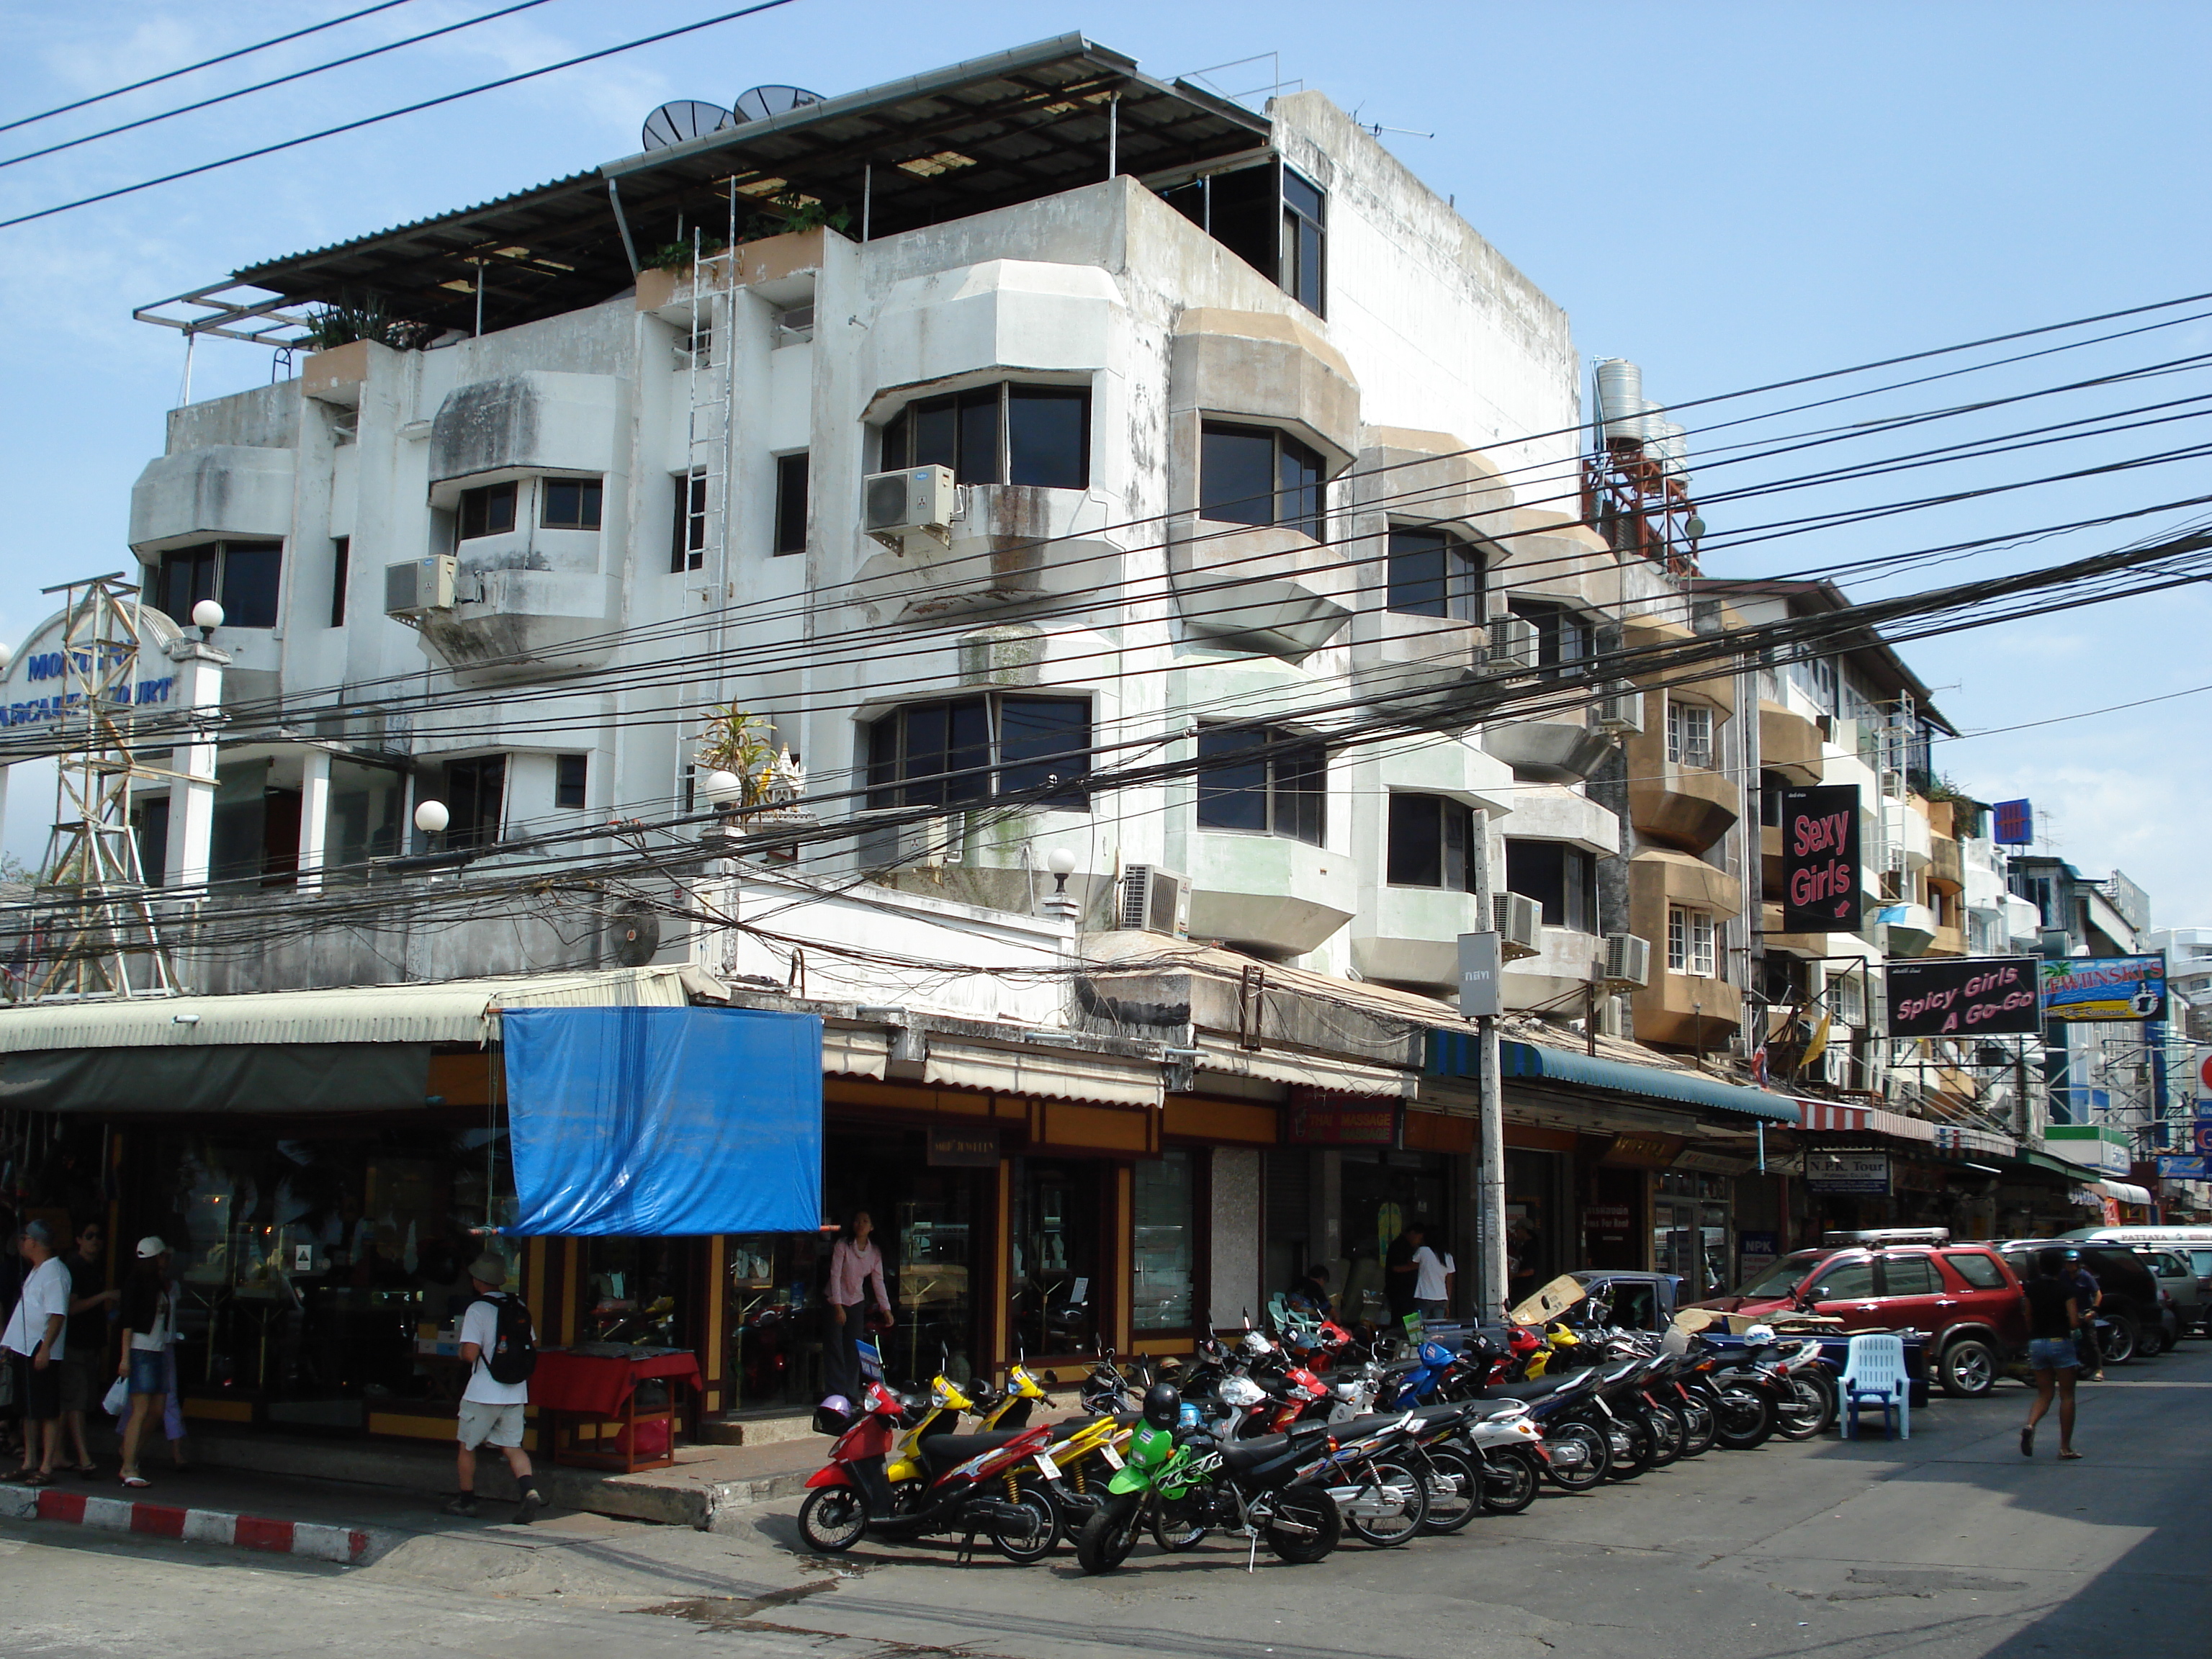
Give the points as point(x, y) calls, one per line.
point(1820, 880)
point(2105, 988)
point(1954, 996)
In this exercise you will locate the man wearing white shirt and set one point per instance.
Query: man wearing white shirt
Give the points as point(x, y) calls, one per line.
point(1432, 1284)
point(35, 1341)
point(491, 1410)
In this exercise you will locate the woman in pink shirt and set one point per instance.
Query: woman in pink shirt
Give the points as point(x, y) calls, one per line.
point(855, 1266)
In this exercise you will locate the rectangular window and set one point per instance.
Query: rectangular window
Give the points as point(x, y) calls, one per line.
point(1564, 637)
point(687, 547)
point(1165, 1254)
point(1038, 436)
point(475, 790)
point(341, 564)
point(1304, 220)
point(1269, 217)
point(1689, 733)
point(970, 749)
point(570, 503)
point(1430, 843)
point(241, 576)
point(488, 511)
point(570, 773)
point(1690, 942)
point(184, 578)
point(1256, 475)
point(150, 828)
point(790, 503)
point(1562, 878)
point(1433, 574)
point(1270, 782)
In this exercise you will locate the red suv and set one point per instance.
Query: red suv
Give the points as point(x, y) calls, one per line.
point(1964, 1297)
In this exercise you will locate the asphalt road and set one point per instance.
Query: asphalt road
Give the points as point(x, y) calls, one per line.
point(1949, 1543)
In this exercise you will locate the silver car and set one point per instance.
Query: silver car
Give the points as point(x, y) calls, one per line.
point(2176, 1275)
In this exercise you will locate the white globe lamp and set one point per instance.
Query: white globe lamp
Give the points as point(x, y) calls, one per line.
point(431, 816)
point(207, 616)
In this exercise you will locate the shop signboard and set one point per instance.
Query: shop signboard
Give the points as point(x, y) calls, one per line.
point(1324, 1120)
point(2096, 1146)
point(964, 1149)
point(2200, 1136)
point(1643, 1151)
point(2186, 1169)
point(2105, 988)
point(2016, 822)
point(1755, 1253)
point(1865, 1174)
point(1821, 882)
point(1963, 996)
point(35, 683)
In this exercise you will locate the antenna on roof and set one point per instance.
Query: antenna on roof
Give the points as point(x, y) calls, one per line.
point(764, 103)
point(686, 119)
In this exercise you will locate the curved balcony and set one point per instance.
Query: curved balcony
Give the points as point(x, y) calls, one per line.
point(1685, 806)
point(1009, 544)
point(1412, 937)
point(1789, 743)
point(1268, 893)
point(1556, 750)
point(1265, 589)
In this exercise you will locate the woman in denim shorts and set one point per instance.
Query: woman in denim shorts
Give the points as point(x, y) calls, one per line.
point(2053, 1316)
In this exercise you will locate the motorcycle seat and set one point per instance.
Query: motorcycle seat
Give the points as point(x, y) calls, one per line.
point(943, 1451)
point(1540, 1388)
point(1250, 1454)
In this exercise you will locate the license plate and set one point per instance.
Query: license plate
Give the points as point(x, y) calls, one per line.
point(1113, 1458)
point(1047, 1467)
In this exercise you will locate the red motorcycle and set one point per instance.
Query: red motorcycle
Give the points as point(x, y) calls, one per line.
point(997, 1484)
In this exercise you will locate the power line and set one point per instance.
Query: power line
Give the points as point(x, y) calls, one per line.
point(393, 114)
point(204, 63)
point(263, 85)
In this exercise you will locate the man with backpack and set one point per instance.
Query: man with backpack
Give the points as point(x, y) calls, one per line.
point(501, 1351)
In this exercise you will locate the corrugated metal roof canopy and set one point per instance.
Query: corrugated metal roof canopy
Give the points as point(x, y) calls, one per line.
point(458, 1011)
point(984, 134)
point(1525, 1060)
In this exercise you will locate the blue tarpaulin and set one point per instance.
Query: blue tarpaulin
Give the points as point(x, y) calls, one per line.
point(656, 1123)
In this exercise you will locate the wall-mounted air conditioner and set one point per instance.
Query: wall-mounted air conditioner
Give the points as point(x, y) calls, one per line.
point(1155, 901)
point(1520, 923)
point(1627, 960)
point(420, 586)
point(1512, 645)
point(918, 501)
point(1619, 709)
point(927, 843)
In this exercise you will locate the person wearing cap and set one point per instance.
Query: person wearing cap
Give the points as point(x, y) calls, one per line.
point(36, 1342)
point(491, 1410)
point(149, 1320)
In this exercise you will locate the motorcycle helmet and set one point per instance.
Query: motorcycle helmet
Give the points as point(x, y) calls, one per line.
point(1163, 1405)
point(1254, 1345)
point(1241, 1391)
point(1435, 1354)
point(1759, 1335)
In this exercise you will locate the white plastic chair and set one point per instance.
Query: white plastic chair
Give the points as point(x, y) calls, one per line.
point(1874, 1374)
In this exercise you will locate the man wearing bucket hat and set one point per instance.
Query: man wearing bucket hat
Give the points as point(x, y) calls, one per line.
point(499, 1349)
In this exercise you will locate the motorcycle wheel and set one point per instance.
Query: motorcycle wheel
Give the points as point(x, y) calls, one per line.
point(1596, 1449)
point(2118, 1344)
point(1109, 1534)
point(1633, 1435)
point(1405, 1521)
point(1031, 1494)
point(833, 1519)
point(1742, 1419)
point(1509, 1482)
point(1176, 1537)
point(1456, 1487)
point(1697, 1427)
point(1808, 1407)
point(1320, 1522)
point(1666, 1434)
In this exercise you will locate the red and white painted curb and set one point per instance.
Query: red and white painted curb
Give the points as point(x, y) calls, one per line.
point(348, 1545)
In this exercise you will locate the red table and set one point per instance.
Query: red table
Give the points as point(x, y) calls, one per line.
point(575, 1390)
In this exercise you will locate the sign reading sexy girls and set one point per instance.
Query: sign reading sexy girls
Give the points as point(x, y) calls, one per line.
point(1821, 881)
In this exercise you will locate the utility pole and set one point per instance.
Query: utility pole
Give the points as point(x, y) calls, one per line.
point(1480, 958)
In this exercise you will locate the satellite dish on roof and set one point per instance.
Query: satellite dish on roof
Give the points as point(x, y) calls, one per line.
point(672, 124)
point(763, 102)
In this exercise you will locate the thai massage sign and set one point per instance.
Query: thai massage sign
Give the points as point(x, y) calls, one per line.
point(1820, 880)
point(1962, 996)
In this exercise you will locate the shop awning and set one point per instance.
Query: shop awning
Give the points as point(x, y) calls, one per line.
point(1051, 1073)
point(2123, 1192)
point(457, 1010)
point(1841, 1116)
point(1336, 1076)
point(1669, 1083)
point(664, 1122)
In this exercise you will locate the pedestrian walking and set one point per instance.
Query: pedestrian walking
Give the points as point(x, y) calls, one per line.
point(36, 1342)
point(150, 1324)
point(81, 1380)
point(856, 1268)
point(2089, 1296)
point(500, 1348)
point(2054, 1317)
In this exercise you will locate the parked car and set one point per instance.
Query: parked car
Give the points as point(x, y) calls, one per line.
point(2141, 1311)
point(1964, 1297)
point(2193, 1244)
point(2176, 1277)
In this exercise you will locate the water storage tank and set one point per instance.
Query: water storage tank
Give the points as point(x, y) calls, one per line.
point(1620, 398)
point(1671, 445)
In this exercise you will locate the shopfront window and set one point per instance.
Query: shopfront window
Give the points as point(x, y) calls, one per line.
point(927, 1226)
point(316, 1270)
point(1532, 1233)
point(637, 1293)
point(1384, 1193)
point(1055, 1256)
point(1166, 1243)
point(1690, 1232)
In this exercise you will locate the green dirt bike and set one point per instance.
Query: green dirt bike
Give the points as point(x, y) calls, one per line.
point(1185, 1484)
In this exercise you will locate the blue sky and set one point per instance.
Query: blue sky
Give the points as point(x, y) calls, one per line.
point(1729, 194)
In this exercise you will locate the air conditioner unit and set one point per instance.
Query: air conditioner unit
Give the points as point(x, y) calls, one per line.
point(918, 501)
point(1155, 901)
point(1705, 615)
point(1512, 644)
point(420, 586)
point(927, 843)
point(1620, 708)
point(1520, 923)
point(1627, 959)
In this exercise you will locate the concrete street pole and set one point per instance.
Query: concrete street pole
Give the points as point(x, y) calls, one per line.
point(314, 816)
point(1481, 962)
point(192, 796)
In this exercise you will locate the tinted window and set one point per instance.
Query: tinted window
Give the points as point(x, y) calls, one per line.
point(939, 754)
point(1269, 782)
point(1977, 1269)
point(1560, 877)
point(1433, 574)
point(249, 583)
point(790, 503)
point(1004, 433)
point(184, 579)
point(1042, 742)
point(488, 511)
point(1910, 1275)
point(571, 504)
point(1430, 842)
point(1845, 1281)
point(570, 774)
point(1236, 474)
point(1049, 436)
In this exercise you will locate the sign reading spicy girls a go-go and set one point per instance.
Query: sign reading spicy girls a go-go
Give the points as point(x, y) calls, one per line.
point(1964, 996)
